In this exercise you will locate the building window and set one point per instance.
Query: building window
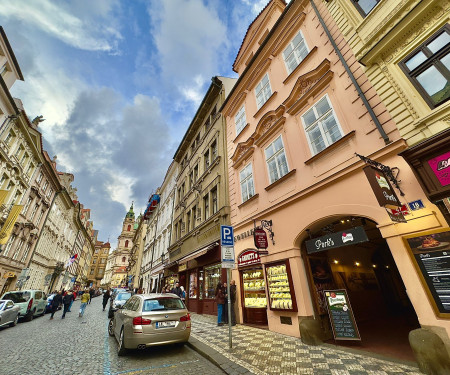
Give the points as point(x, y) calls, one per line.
point(124, 259)
point(49, 193)
point(92, 271)
point(18, 249)
point(40, 217)
point(102, 261)
point(27, 205)
point(94, 261)
point(10, 137)
point(365, 6)
point(19, 150)
point(39, 179)
point(246, 180)
point(24, 158)
point(96, 251)
point(188, 220)
point(321, 126)
point(276, 160)
point(295, 52)
point(25, 254)
point(240, 120)
point(9, 244)
point(428, 68)
point(195, 173)
point(129, 228)
point(206, 206)
point(214, 150)
point(206, 157)
point(36, 207)
point(194, 216)
point(214, 200)
point(30, 169)
point(263, 91)
point(126, 243)
point(4, 180)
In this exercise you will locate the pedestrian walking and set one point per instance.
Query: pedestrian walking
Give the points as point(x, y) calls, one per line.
point(220, 299)
point(85, 298)
point(56, 301)
point(91, 294)
point(183, 294)
point(177, 290)
point(225, 305)
point(67, 299)
point(106, 297)
point(233, 301)
point(74, 295)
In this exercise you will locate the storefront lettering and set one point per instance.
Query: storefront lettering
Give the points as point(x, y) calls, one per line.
point(443, 164)
point(324, 244)
point(390, 197)
point(243, 235)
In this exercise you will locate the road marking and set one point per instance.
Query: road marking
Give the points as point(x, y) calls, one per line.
point(137, 371)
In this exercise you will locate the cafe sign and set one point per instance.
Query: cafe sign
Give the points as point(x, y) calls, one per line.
point(440, 166)
point(248, 258)
point(260, 237)
point(348, 237)
point(382, 188)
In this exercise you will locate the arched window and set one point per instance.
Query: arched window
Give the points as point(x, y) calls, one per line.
point(126, 243)
point(129, 228)
point(124, 259)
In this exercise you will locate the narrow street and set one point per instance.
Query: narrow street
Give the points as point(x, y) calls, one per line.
point(82, 346)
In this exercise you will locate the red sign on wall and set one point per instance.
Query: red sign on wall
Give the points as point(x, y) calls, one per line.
point(260, 238)
point(248, 257)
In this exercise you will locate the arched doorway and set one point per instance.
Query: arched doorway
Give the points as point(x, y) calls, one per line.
point(366, 269)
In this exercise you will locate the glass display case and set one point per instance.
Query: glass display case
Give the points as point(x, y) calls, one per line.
point(212, 278)
point(279, 285)
point(193, 285)
point(254, 288)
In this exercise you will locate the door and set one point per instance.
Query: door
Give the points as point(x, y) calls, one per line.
point(9, 312)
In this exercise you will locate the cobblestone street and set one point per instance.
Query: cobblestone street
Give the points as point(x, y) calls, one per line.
point(82, 346)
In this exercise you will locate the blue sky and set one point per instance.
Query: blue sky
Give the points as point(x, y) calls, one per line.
point(118, 82)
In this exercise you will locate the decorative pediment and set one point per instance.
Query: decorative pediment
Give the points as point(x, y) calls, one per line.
point(288, 32)
point(307, 84)
point(243, 149)
point(269, 122)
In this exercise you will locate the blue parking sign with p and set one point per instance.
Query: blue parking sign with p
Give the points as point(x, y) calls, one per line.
point(226, 235)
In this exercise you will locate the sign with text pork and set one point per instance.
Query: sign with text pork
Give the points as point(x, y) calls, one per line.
point(348, 237)
point(382, 188)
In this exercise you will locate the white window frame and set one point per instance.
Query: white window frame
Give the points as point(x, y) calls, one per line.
point(18, 249)
point(261, 91)
point(9, 244)
point(295, 52)
point(245, 182)
point(318, 122)
point(275, 156)
point(240, 120)
point(25, 254)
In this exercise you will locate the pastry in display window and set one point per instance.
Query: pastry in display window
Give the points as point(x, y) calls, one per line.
point(279, 287)
point(254, 289)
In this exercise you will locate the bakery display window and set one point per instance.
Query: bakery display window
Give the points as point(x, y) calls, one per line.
point(212, 278)
point(193, 285)
point(280, 287)
point(254, 289)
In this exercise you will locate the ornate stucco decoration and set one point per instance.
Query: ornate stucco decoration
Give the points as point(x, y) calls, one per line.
point(308, 85)
point(243, 151)
point(268, 124)
point(288, 32)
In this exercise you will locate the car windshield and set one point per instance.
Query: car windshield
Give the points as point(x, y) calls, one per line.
point(17, 297)
point(1, 305)
point(123, 296)
point(159, 304)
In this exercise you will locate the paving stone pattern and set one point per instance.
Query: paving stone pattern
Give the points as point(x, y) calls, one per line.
point(263, 352)
point(81, 346)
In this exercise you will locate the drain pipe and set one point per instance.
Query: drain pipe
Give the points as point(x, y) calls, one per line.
point(352, 77)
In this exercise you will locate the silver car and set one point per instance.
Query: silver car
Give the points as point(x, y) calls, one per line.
point(9, 313)
point(150, 319)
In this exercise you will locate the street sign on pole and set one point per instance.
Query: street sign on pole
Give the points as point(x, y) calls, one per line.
point(227, 245)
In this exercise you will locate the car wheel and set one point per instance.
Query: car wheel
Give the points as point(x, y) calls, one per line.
point(111, 327)
point(121, 350)
point(13, 324)
point(29, 316)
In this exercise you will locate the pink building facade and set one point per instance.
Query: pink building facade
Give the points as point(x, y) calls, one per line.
point(294, 123)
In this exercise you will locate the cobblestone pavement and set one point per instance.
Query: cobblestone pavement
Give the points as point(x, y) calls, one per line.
point(82, 346)
point(263, 352)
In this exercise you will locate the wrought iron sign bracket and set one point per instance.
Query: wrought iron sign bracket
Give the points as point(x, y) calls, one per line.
point(267, 224)
point(389, 172)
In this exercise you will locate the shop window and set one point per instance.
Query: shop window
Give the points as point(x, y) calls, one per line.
point(280, 287)
point(295, 52)
point(193, 285)
point(240, 120)
point(321, 126)
point(276, 160)
point(428, 68)
point(365, 6)
point(246, 180)
point(254, 289)
point(212, 278)
point(263, 91)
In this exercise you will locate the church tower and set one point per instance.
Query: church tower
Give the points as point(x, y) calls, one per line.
point(123, 250)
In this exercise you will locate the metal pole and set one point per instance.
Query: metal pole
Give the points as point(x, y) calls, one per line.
point(230, 340)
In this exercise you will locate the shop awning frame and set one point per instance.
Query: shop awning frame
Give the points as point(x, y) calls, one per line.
point(197, 253)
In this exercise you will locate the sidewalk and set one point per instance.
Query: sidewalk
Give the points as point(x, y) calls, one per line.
point(262, 352)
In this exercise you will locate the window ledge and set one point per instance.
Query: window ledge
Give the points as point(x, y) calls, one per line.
point(254, 197)
point(280, 180)
point(298, 67)
point(240, 133)
point(331, 147)
point(265, 104)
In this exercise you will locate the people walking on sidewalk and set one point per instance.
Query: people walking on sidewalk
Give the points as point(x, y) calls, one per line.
point(67, 299)
point(74, 295)
point(106, 297)
point(91, 295)
point(85, 298)
point(177, 290)
point(220, 299)
point(56, 301)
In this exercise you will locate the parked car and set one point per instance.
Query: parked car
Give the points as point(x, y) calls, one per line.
point(31, 302)
point(117, 302)
point(9, 313)
point(48, 306)
point(150, 319)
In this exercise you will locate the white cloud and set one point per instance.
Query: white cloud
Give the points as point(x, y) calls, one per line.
point(256, 6)
point(119, 188)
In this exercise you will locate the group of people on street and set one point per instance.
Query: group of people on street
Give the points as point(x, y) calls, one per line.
point(177, 289)
point(221, 298)
point(66, 299)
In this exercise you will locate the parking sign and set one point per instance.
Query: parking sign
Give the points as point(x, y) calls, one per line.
point(226, 236)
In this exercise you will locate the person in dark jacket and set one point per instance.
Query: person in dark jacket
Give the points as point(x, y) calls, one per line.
point(106, 297)
point(177, 290)
point(220, 299)
point(233, 301)
point(225, 305)
point(67, 299)
point(56, 301)
point(91, 294)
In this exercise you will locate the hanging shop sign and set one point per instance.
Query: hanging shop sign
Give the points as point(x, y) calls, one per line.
point(430, 252)
point(382, 188)
point(348, 237)
point(440, 165)
point(248, 258)
point(182, 267)
point(396, 216)
point(260, 238)
point(341, 315)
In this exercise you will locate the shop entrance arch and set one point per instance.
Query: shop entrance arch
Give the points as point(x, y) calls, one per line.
point(348, 252)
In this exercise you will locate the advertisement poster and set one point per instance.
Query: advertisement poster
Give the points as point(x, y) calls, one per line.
point(440, 166)
point(431, 253)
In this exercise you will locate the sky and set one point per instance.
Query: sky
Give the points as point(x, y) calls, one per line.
point(118, 83)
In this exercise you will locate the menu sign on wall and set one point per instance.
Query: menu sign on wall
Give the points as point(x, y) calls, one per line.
point(431, 252)
point(341, 315)
point(260, 238)
point(348, 237)
point(382, 188)
point(440, 166)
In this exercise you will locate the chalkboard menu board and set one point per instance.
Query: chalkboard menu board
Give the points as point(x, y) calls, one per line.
point(341, 315)
point(431, 253)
